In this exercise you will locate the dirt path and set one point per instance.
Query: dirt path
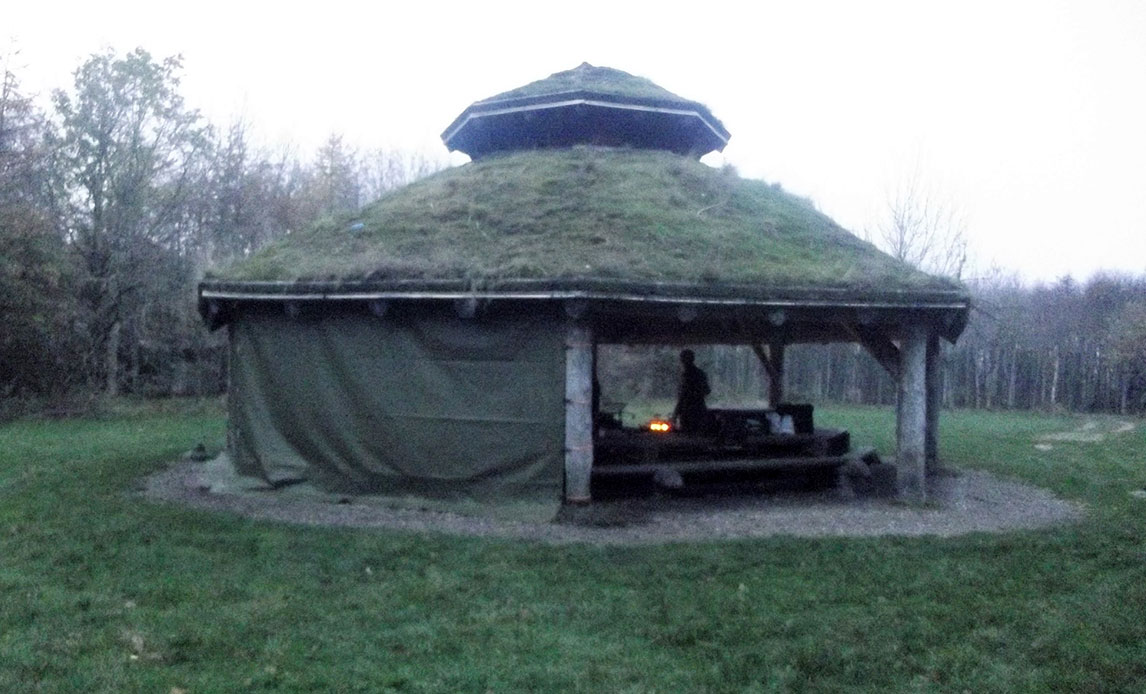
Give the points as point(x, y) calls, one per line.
point(959, 502)
point(1088, 432)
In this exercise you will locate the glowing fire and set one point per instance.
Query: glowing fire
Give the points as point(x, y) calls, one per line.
point(660, 426)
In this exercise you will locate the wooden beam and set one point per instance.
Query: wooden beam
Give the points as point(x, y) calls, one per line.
point(776, 377)
point(578, 411)
point(773, 361)
point(466, 308)
point(911, 426)
point(378, 307)
point(787, 464)
point(876, 342)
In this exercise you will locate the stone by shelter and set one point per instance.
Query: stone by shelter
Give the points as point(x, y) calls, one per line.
point(442, 341)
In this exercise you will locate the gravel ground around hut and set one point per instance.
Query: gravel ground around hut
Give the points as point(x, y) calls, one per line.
point(959, 502)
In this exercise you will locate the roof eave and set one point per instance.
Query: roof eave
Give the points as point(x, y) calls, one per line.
point(948, 309)
point(584, 288)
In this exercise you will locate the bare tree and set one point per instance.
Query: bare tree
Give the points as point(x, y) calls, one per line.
point(383, 170)
point(923, 227)
point(335, 185)
point(1128, 337)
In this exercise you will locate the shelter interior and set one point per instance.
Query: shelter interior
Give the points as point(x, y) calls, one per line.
point(904, 340)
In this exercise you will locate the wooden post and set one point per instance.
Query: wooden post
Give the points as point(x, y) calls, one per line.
point(578, 411)
point(934, 393)
point(911, 427)
point(773, 362)
point(595, 392)
point(776, 375)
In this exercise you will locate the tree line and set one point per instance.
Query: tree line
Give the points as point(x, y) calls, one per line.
point(117, 196)
point(1059, 346)
point(113, 201)
point(1064, 345)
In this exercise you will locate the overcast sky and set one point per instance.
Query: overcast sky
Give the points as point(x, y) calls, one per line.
point(1029, 115)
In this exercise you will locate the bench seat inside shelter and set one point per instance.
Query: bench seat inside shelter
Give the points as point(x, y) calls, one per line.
point(744, 441)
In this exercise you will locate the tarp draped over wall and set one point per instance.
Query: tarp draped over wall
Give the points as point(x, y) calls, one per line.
point(431, 406)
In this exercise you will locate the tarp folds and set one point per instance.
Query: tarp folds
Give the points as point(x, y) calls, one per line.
point(429, 406)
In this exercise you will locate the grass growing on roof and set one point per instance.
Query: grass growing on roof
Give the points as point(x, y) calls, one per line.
point(102, 592)
point(629, 215)
point(604, 80)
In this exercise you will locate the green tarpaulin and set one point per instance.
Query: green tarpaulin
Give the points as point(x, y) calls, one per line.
point(432, 406)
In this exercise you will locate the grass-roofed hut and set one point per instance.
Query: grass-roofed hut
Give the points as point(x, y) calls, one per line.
point(442, 341)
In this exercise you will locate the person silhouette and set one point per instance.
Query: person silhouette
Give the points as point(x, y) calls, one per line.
point(691, 411)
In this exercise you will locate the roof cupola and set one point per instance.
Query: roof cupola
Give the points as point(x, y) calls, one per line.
point(586, 106)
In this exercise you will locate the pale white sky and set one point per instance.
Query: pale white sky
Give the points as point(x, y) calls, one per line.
point(1031, 115)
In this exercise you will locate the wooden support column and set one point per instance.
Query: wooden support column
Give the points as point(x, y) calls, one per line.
point(578, 411)
point(776, 375)
point(773, 361)
point(911, 427)
point(934, 391)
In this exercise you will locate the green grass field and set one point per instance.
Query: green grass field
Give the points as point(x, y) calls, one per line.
point(102, 592)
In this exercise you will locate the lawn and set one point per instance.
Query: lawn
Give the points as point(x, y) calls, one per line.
point(103, 592)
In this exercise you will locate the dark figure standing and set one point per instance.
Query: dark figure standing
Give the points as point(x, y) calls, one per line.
point(691, 412)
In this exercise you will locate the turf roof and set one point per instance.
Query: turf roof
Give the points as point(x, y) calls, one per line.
point(564, 217)
point(586, 77)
